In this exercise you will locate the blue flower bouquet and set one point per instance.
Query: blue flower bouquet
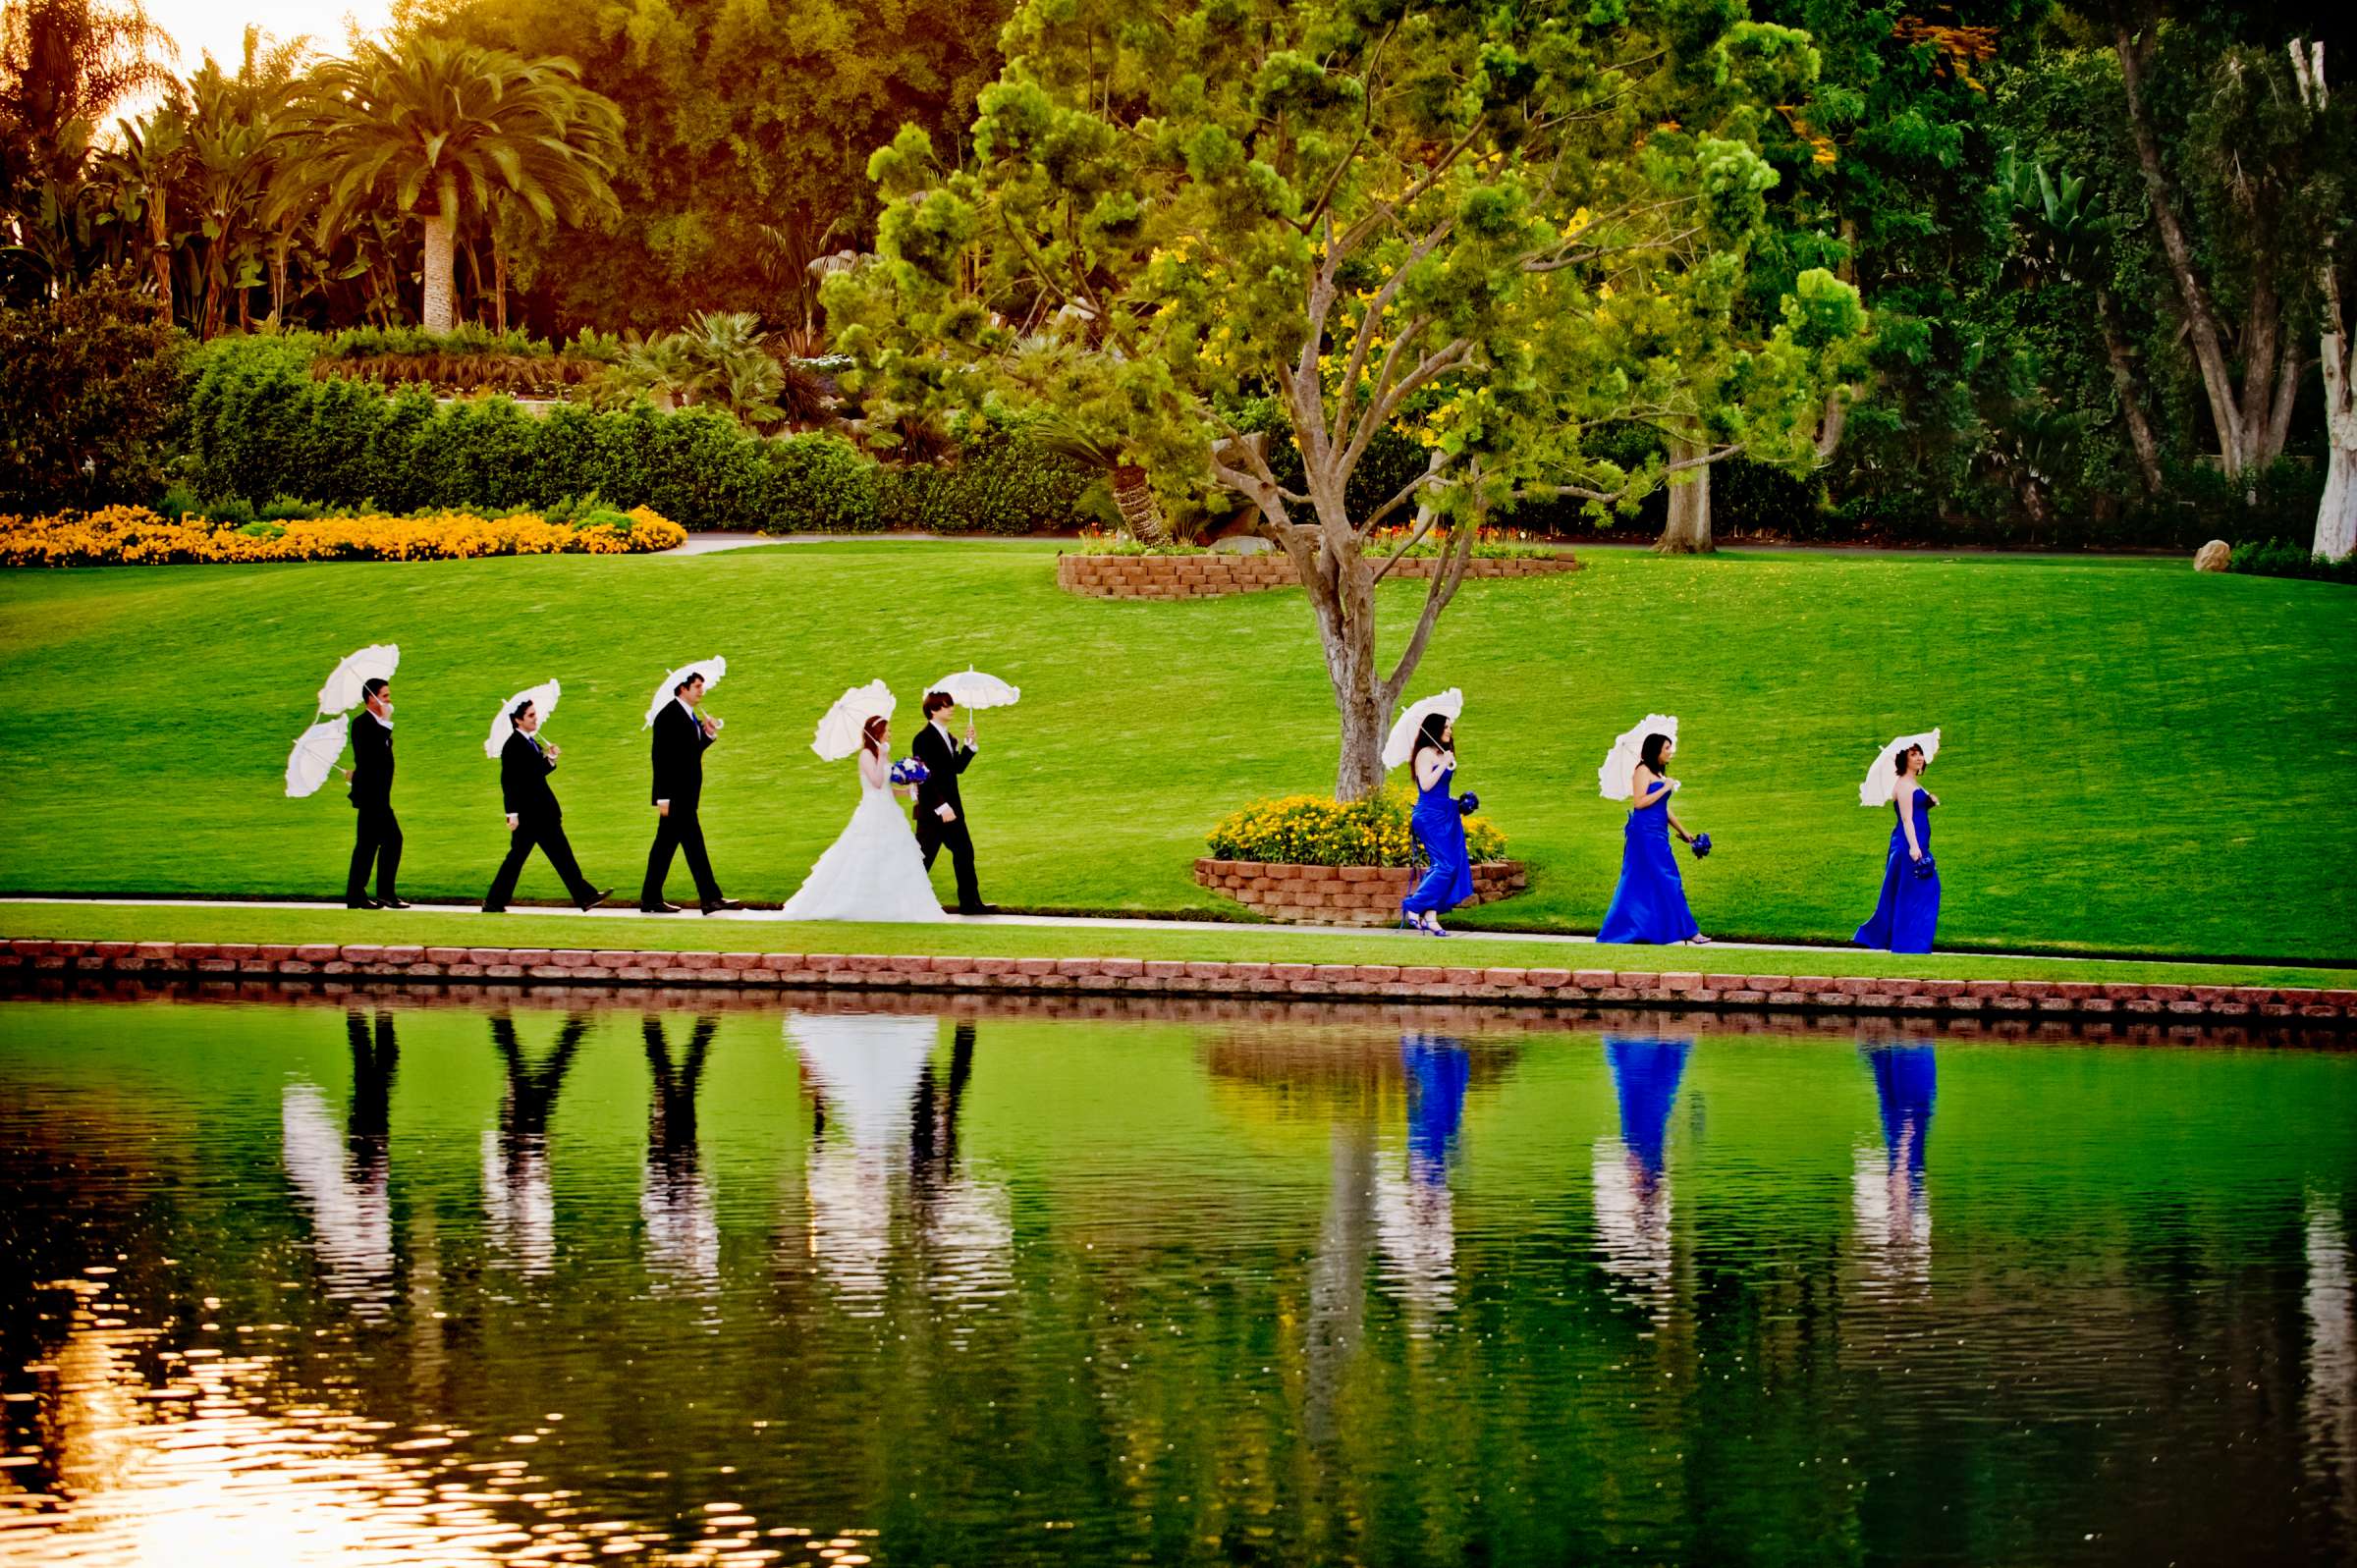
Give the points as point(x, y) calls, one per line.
point(1700, 843)
point(1468, 804)
point(909, 770)
point(1923, 868)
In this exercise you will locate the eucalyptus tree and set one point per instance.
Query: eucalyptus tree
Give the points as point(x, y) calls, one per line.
point(1505, 230)
point(443, 130)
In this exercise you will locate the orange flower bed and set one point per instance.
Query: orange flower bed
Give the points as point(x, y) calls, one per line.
point(134, 537)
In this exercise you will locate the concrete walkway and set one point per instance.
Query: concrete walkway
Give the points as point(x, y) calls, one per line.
point(625, 913)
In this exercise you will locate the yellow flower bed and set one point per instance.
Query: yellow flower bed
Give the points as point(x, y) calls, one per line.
point(121, 536)
point(1315, 830)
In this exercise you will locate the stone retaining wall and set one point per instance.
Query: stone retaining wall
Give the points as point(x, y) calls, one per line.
point(1438, 980)
point(1208, 576)
point(1341, 895)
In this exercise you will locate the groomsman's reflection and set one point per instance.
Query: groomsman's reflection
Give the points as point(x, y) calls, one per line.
point(683, 1231)
point(519, 1208)
point(2329, 1408)
point(1632, 1172)
point(1415, 1218)
point(1893, 1208)
point(346, 1181)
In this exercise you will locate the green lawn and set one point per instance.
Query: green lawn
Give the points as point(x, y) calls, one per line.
point(2139, 758)
point(1210, 941)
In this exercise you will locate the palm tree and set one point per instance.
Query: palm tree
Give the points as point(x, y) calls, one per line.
point(442, 129)
point(144, 170)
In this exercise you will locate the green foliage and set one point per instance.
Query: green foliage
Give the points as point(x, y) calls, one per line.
point(1316, 831)
point(997, 482)
point(90, 385)
point(2279, 558)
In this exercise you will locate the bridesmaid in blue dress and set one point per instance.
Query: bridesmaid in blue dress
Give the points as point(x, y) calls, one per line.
point(1439, 825)
point(1650, 904)
point(1907, 914)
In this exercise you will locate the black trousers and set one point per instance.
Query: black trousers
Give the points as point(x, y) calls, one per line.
point(547, 834)
point(933, 836)
point(681, 831)
point(376, 843)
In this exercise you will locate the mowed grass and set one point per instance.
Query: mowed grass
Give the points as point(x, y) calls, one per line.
point(2138, 759)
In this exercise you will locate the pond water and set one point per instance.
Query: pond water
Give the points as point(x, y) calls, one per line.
point(295, 1279)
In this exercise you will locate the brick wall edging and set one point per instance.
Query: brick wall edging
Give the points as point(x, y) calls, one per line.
point(1209, 575)
point(1434, 982)
point(1341, 895)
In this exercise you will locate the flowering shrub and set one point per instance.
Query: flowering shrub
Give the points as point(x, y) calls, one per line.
point(135, 536)
point(1098, 542)
point(1315, 830)
point(1489, 544)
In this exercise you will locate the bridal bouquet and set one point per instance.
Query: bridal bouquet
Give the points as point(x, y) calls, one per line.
point(1700, 843)
point(909, 770)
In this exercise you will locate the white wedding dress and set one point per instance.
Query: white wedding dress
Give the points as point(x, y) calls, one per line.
point(875, 870)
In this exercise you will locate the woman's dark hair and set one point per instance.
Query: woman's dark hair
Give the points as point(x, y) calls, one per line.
point(871, 735)
point(1428, 735)
point(516, 713)
point(1898, 764)
point(1651, 755)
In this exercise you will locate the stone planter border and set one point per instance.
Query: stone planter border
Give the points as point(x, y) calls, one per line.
point(2022, 1000)
point(1207, 576)
point(1341, 895)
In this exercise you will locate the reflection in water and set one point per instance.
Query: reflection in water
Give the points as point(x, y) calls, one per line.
point(2331, 1403)
point(519, 1211)
point(346, 1179)
point(1888, 1195)
point(1415, 1220)
point(1633, 1173)
point(899, 1118)
point(683, 1231)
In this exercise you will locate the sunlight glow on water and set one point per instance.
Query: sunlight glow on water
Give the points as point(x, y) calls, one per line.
point(722, 1281)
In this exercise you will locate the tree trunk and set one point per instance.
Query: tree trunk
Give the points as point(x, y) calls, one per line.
point(2337, 513)
point(1688, 531)
point(499, 285)
point(1135, 499)
point(2131, 396)
point(278, 274)
point(159, 250)
point(1342, 595)
point(437, 310)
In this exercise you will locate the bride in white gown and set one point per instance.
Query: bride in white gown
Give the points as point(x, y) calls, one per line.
point(874, 871)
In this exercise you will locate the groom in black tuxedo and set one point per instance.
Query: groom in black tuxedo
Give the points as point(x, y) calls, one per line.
point(376, 835)
point(533, 816)
point(682, 737)
point(940, 810)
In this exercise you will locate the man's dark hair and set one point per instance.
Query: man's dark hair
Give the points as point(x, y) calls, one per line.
point(935, 701)
point(686, 680)
point(373, 686)
point(516, 713)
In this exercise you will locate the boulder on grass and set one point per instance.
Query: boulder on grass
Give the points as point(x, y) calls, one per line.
point(2213, 556)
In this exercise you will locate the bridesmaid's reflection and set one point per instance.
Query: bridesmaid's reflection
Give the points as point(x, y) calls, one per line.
point(1632, 1172)
point(1894, 1211)
point(683, 1231)
point(346, 1180)
point(1415, 1221)
point(2328, 1409)
point(518, 1209)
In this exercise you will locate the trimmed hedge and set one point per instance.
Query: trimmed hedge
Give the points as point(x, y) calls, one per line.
point(259, 425)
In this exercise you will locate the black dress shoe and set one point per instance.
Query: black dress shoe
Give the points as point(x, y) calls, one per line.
point(977, 908)
point(594, 900)
point(362, 903)
point(392, 903)
point(658, 909)
point(713, 906)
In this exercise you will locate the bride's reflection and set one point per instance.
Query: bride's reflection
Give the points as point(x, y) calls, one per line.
point(519, 1211)
point(1415, 1217)
point(682, 1230)
point(346, 1179)
point(896, 1122)
point(1632, 1172)
point(1888, 1195)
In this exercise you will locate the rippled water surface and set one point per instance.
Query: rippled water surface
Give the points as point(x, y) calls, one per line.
point(288, 1279)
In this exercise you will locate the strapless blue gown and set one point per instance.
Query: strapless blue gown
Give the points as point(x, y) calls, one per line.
point(1650, 904)
point(1442, 831)
point(1645, 1074)
point(1907, 914)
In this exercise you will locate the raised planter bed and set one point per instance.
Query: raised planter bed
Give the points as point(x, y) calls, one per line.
point(1208, 576)
point(1341, 895)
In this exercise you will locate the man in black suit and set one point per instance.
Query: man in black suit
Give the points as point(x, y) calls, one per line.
point(533, 815)
point(681, 737)
point(940, 810)
point(377, 837)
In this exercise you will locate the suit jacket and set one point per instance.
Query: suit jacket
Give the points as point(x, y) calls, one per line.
point(679, 757)
point(524, 769)
point(371, 762)
point(944, 761)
